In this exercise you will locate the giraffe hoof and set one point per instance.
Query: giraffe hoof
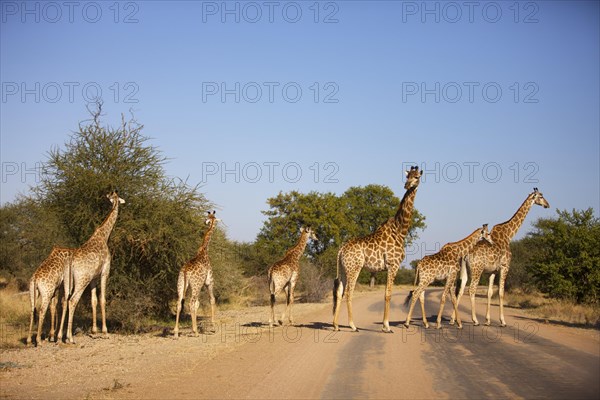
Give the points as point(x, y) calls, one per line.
point(475, 323)
point(487, 324)
point(451, 322)
point(503, 325)
point(406, 325)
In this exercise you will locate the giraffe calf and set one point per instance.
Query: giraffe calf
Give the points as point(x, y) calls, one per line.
point(283, 275)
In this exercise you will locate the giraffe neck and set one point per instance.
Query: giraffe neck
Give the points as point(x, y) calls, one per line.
point(469, 242)
point(296, 252)
point(503, 233)
point(102, 233)
point(403, 216)
point(205, 242)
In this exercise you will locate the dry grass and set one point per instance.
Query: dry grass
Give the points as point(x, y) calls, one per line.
point(553, 310)
point(14, 316)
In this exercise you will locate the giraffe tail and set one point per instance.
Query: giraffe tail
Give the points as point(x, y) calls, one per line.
point(408, 298)
point(33, 295)
point(337, 282)
point(462, 278)
point(272, 287)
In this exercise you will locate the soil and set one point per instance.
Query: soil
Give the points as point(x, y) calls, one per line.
point(245, 358)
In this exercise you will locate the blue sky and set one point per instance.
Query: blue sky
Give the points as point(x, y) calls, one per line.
point(252, 98)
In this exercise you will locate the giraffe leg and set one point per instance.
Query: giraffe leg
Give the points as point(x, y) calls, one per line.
point(443, 302)
point(73, 301)
point(338, 292)
point(272, 319)
point(53, 303)
point(32, 296)
point(350, 291)
point(416, 294)
point(423, 313)
point(181, 286)
point(489, 299)
point(211, 296)
point(455, 304)
point(43, 308)
point(59, 338)
point(388, 297)
point(103, 281)
point(194, 304)
point(94, 299)
point(463, 283)
point(66, 293)
point(291, 300)
point(501, 295)
point(286, 289)
point(472, 292)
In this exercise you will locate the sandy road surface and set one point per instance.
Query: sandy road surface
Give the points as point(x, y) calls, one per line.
point(246, 359)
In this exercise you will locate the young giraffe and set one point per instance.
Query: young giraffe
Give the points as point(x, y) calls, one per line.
point(283, 275)
point(444, 264)
point(52, 272)
point(90, 263)
point(197, 273)
point(379, 251)
point(492, 258)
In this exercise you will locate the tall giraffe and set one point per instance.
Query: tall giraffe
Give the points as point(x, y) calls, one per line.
point(46, 280)
point(283, 275)
point(379, 251)
point(90, 263)
point(494, 258)
point(197, 273)
point(444, 264)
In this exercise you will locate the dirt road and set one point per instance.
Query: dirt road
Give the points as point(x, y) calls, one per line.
point(246, 359)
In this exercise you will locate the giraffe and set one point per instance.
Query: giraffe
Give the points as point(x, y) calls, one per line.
point(283, 275)
point(90, 264)
point(46, 280)
point(379, 251)
point(196, 273)
point(494, 258)
point(444, 264)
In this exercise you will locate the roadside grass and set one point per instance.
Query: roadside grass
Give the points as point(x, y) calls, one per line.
point(554, 310)
point(14, 316)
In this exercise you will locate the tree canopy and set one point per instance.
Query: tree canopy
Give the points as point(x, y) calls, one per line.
point(563, 255)
point(359, 211)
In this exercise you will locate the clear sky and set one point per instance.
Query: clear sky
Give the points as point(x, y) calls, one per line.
point(252, 98)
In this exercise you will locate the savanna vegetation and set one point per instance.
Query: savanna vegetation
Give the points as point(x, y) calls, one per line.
point(162, 222)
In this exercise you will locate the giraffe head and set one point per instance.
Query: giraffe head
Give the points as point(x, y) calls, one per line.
point(485, 234)
point(538, 198)
point(309, 232)
point(210, 218)
point(413, 177)
point(114, 197)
